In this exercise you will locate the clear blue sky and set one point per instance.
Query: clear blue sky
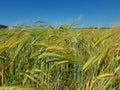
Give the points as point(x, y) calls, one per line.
point(92, 12)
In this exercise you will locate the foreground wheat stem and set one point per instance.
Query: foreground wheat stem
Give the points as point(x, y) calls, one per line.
point(2, 76)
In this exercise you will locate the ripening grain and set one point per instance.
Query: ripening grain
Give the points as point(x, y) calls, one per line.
point(60, 59)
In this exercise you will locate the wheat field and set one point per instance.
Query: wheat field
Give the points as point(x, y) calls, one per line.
point(59, 59)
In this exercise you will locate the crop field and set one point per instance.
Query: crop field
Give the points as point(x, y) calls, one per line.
point(59, 59)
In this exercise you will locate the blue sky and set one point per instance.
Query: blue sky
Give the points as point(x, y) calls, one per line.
point(56, 12)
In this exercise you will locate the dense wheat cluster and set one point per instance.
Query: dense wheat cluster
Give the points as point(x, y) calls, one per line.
point(60, 59)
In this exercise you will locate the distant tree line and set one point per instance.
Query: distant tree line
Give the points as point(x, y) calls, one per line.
point(94, 28)
point(3, 26)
